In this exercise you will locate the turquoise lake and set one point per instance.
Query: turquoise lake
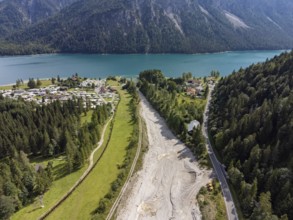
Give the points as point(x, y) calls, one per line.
point(97, 65)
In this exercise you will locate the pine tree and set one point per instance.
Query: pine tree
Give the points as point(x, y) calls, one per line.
point(39, 83)
point(263, 210)
point(7, 207)
point(70, 150)
point(31, 83)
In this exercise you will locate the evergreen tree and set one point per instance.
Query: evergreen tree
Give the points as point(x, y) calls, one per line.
point(39, 83)
point(31, 83)
point(7, 207)
point(250, 120)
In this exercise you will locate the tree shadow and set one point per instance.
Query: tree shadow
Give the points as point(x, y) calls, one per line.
point(34, 209)
point(186, 153)
point(60, 171)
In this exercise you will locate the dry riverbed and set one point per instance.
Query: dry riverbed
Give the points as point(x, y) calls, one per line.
point(170, 179)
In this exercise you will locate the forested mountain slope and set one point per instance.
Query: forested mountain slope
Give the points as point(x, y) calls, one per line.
point(19, 14)
point(251, 122)
point(141, 26)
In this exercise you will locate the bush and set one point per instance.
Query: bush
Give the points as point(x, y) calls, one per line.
point(102, 206)
point(109, 195)
point(115, 185)
point(121, 175)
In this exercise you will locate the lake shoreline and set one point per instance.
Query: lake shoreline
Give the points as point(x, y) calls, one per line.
point(122, 54)
point(44, 66)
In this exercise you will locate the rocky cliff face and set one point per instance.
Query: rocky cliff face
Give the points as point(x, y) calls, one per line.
point(19, 14)
point(140, 26)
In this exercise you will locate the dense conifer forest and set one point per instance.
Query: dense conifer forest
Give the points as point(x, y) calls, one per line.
point(251, 123)
point(31, 130)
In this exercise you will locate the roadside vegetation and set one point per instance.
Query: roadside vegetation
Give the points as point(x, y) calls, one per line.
point(138, 166)
point(144, 146)
point(211, 202)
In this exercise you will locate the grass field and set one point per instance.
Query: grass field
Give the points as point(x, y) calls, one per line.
point(60, 186)
point(86, 118)
point(197, 101)
point(108, 99)
point(85, 199)
point(45, 83)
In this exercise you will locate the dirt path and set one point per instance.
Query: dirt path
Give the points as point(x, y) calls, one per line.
point(167, 186)
point(83, 176)
point(91, 158)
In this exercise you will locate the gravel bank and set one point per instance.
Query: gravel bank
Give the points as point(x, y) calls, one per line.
point(170, 179)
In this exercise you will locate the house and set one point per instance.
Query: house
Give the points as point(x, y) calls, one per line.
point(7, 94)
point(64, 98)
point(194, 82)
point(35, 91)
point(20, 91)
point(192, 124)
point(200, 88)
point(191, 91)
point(102, 90)
point(63, 88)
point(74, 78)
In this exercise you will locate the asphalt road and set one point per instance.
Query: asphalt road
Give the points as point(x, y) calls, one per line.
point(218, 167)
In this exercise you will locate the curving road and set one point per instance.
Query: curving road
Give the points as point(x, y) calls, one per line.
point(218, 167)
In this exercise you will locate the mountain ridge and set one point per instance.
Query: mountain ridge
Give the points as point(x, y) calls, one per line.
point(20, 14)
point(173, 26)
